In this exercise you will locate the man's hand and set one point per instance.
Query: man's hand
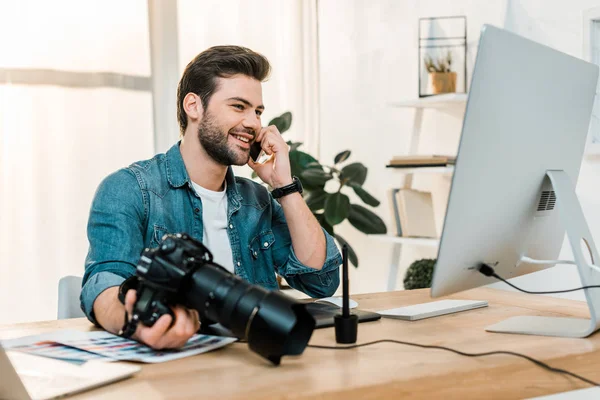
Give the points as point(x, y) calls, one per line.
point(163, 335)
point(277, 171)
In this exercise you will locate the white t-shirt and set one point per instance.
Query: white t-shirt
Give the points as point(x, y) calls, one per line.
point(214, 219)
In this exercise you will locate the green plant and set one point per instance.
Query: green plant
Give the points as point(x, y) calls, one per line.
point(443, 64)
point(331, 209)
point(419, 274)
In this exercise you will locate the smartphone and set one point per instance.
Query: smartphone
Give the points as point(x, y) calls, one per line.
point(257, 154)
point(255, 151)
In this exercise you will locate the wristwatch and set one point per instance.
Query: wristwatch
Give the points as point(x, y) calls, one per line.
point(293, 187)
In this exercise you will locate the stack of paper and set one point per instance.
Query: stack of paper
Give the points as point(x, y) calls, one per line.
point(78, 347)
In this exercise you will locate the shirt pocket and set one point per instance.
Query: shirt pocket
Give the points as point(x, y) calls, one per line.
point(260, 252)
point(261, 243)
point(158, 232)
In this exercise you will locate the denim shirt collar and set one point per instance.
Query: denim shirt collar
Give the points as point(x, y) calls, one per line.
point(177, 175)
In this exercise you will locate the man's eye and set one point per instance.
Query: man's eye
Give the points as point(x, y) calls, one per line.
point(259, 113)
point(239, 106)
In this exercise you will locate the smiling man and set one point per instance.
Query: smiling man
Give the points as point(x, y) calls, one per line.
point(192, 189)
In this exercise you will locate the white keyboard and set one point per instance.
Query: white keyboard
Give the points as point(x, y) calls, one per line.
point(432, 309)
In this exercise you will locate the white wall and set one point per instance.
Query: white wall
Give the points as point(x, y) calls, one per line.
point(368, 57)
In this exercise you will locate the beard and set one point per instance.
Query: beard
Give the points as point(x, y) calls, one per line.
point(216, 144)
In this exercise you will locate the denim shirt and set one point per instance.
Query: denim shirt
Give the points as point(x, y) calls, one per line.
point(135, 206)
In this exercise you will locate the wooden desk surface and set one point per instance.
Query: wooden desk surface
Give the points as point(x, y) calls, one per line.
point(383, 370)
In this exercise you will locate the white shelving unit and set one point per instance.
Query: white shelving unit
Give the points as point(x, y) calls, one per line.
point(440, 102)
point(407, 240)
point(451, 103)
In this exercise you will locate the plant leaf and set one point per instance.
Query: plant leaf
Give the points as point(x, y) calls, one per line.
point(316, 200)
point(316, 177)
point(364, 195)
point(298, 162)
point(293, 145)
point(351, 254)
point(324, 224)
point(365, 221)
point(337, 207)
point(283, 122)
point(254, 175)
point(355, 172)
point(343, 156)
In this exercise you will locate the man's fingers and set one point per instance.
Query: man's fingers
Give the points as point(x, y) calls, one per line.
point(194, 318)
point(181, 331)
point(272, 142)
point(185, 323)
point(165, 333)
point(152, 336)
point(260, 135)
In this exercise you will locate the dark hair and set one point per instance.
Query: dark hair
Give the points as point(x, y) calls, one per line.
point(219, 61)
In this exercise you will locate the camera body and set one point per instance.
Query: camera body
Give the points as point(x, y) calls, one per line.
point(181, 271)
point(161, 274)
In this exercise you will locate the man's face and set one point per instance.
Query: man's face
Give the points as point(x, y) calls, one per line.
point(232, 120)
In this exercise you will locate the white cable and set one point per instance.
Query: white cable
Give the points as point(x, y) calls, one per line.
point(533, 261)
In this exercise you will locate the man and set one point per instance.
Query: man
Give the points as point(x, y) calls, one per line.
point(192, 189)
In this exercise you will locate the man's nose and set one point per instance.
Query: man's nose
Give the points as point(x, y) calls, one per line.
point(252, 121)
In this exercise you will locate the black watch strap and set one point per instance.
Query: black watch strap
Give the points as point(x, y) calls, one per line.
point(130, 326)
point(293, 187)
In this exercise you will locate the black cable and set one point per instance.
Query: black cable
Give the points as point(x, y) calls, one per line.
point(489, 271)
point(424, 346)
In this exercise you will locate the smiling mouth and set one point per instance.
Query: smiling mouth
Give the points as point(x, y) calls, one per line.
point(242, 142)
point(241, 138)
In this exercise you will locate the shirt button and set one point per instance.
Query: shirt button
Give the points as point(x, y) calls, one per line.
point(230, 226)
point(255, 253)
point(196, 210)
point(239, 263)
point(266, 244)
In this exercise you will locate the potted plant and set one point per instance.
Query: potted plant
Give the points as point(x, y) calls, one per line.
point(443, 79)
point(332, 208)
point(419, 274)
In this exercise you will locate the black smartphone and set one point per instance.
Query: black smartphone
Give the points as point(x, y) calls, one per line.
point(255, 151)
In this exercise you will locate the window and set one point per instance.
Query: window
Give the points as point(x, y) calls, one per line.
point(75, 105)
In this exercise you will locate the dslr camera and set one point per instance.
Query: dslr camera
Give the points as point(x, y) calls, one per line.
point(181, 271)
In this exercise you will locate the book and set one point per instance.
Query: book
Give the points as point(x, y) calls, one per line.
point(415, 211)
point(416, 165)
point(422, 160)
point(394, 210)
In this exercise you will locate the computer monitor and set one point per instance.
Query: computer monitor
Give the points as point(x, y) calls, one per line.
point(512, 193)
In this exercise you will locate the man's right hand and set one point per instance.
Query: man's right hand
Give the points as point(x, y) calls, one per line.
point(164, 334)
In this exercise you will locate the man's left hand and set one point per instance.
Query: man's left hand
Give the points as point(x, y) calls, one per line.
point(276, 171)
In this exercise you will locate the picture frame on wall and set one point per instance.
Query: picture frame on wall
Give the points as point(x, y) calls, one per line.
point(591, 53)
point(442, 55)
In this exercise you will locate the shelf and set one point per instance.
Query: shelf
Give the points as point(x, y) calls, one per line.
point(436, 170)
point(407, 240)
point(442, 101)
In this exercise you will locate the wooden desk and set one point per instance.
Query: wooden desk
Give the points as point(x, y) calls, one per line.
point(380, 371)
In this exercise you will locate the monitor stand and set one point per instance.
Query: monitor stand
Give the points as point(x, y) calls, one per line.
point(571, 216)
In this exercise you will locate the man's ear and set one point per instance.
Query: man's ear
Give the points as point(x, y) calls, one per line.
point(193, 106)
